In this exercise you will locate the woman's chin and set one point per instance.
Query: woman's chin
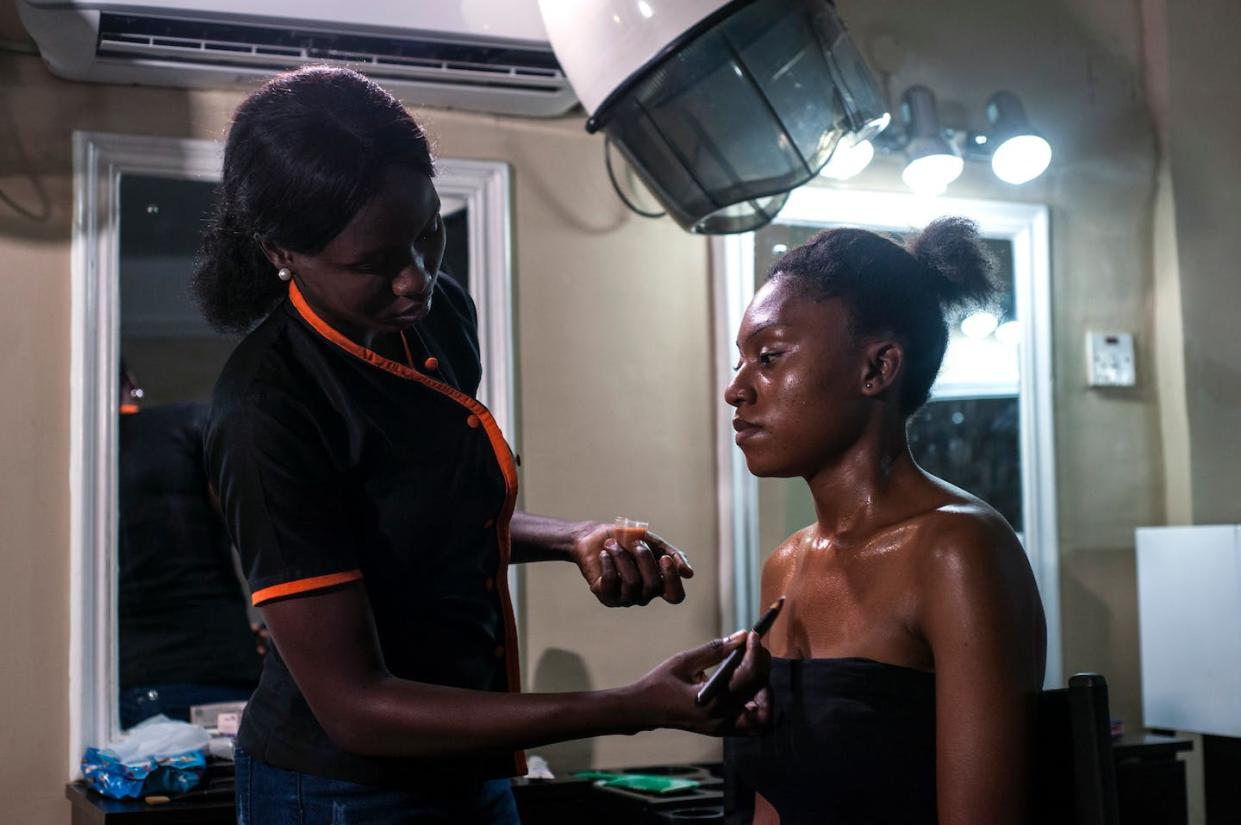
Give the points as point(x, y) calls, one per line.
point(765, 468)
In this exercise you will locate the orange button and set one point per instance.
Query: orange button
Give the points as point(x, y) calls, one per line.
point(489, 584)
point(489, 523)
point(473, 422)
point(432, 364)
point(499, 651)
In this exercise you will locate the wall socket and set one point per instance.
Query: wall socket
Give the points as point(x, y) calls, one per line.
point(1109, 359)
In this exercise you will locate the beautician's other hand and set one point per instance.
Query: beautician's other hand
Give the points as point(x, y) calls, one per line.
point(670, 689)
point(621, 577)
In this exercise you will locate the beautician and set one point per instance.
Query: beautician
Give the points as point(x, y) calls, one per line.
point(372, 497)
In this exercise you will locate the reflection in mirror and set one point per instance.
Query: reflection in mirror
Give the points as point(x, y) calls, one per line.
point(186, 634)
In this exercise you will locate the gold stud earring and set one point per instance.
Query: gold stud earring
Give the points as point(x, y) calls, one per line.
point(284, 274)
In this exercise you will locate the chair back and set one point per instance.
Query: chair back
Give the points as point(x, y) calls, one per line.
point(1075, 772)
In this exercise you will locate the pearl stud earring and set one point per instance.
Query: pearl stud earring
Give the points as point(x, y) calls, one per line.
point(284, 274)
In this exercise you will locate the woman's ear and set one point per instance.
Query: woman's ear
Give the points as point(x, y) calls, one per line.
point(278, 257)
point(882, 367)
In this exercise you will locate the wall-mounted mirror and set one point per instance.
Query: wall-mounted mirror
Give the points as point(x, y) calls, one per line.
point(160, 616)
point(988, 425)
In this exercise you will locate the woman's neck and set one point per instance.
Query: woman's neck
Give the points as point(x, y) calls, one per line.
point(853, 494)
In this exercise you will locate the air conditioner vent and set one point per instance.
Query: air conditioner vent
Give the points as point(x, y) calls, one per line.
point(426, 60)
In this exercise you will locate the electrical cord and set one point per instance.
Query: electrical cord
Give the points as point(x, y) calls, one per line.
point(44, 212)
point(607, 161)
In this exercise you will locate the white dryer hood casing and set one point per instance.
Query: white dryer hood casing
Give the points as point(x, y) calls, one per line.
point(601, 43)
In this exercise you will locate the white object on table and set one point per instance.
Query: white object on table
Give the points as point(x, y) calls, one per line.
point(1189, 614)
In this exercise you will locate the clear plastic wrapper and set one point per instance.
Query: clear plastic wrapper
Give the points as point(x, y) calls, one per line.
point(158, 757)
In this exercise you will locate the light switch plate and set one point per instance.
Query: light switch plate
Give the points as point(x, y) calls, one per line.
point(1109, 359)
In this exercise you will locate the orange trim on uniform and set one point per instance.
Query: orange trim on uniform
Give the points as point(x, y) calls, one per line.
point(409, 356)
point(303, 586)
point(504, 457)
point(129, 409)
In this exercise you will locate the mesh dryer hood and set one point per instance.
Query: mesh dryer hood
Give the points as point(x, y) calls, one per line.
point(721, 106)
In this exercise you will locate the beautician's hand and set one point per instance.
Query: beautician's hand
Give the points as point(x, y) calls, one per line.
point(670, 689)
point(621, 577)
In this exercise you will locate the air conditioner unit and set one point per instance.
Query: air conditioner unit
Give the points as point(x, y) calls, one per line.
point(480, 55)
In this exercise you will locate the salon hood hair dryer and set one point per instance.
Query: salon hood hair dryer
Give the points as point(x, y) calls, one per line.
point(722, 107)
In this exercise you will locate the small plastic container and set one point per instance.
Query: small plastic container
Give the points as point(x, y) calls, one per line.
point(628, 532)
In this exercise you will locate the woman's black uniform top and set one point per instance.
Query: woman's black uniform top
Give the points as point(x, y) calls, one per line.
point(181, 611)
point(335, 465)
point(852, 742)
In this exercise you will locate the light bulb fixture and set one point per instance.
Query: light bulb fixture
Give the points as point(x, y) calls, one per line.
point(979, 325)
point(935, 156)
point(1020, 154)
point(933, 160)
point(1009, 333)
point(930, 174)
point(849, 159)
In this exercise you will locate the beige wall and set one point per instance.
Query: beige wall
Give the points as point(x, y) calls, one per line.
point(1197, 250)
point(1168, 327)
point(1202, 148)
point(1169, 355)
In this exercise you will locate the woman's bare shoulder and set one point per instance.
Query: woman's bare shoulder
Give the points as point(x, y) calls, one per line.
point(960, 518)
point(966, 542)
point(975, 583)
point(779, 565)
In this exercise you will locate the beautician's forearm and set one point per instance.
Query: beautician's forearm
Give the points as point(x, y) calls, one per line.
point(329, 642)
point(394, 717)
point(543, 538)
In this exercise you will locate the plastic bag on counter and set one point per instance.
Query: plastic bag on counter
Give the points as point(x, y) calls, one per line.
point(160, 756)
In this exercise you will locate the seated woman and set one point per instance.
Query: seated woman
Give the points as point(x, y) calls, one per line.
point(912, 642)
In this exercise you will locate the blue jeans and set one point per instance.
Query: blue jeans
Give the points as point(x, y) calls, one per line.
point(267, 795)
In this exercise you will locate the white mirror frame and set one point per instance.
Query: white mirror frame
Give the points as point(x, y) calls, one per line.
point(1026, 227)
point(99, 161)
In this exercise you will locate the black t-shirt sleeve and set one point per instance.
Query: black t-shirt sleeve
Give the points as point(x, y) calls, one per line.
point(282, 497)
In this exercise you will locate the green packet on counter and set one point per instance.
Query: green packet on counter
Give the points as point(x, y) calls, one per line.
point(644, 782)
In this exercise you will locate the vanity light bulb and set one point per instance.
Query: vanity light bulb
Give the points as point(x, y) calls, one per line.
point(1009, 333)
point(931, 174)
point(979, 325)
point(1021, 159)
point(849, 160)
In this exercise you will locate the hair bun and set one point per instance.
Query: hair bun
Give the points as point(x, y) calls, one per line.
point(954, 255)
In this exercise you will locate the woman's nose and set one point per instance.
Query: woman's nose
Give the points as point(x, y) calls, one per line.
point(736, 393)
point(412, 280)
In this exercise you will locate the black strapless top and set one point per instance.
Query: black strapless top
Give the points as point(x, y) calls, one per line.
point(852, 742)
